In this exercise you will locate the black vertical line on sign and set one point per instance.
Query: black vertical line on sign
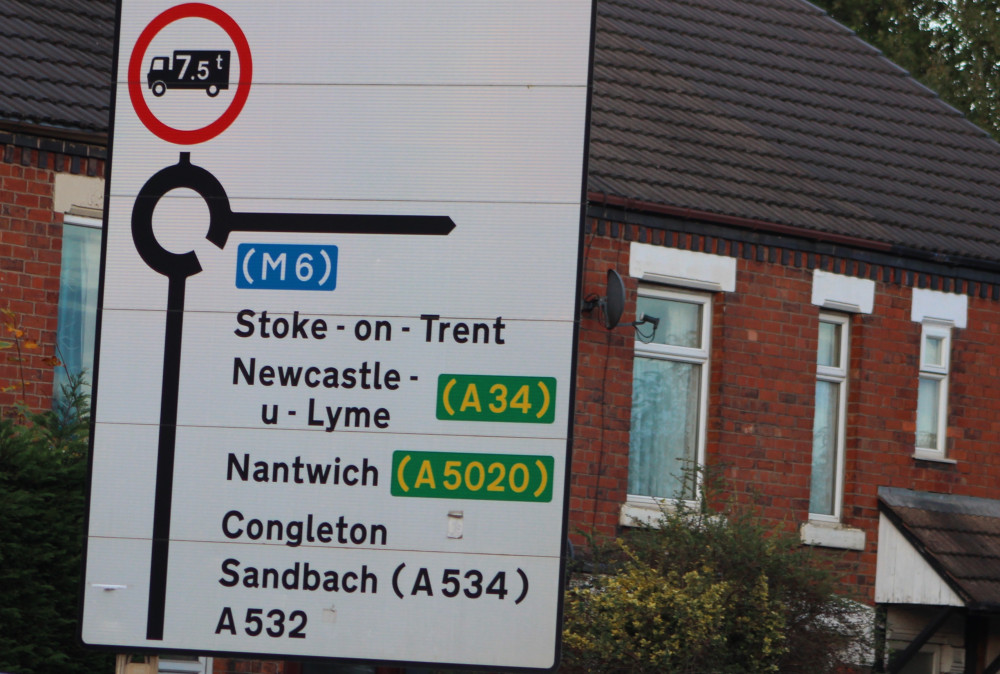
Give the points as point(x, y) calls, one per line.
point(163, 495)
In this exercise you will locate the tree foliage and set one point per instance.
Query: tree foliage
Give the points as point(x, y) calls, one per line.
point(708, 591)
point(43, 466)
point(951, 46)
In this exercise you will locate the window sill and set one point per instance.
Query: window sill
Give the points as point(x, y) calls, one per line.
point(832, 535)
point(648, 512)
point(931, 455)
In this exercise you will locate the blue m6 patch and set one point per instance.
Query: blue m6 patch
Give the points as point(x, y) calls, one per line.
point(284, 266)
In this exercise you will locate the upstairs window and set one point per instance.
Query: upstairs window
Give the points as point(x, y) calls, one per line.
point(78, 279)
point(829, 420)
point(932, 398)
point(669, 395)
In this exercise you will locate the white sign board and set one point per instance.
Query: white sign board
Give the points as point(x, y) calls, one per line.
point(340, 278)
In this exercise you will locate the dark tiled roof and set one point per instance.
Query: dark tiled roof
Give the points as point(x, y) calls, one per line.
point(760, 110)
point(769, 110)
point(958, 535)
point(55, 63)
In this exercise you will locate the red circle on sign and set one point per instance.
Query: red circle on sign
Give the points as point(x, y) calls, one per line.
point(192, 136)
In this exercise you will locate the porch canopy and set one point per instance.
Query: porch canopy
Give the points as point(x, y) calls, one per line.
point(940, 550)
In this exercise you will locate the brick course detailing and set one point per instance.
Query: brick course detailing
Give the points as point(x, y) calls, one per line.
point(30, 255)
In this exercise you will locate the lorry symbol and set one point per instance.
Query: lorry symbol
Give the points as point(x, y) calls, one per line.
point(189, 69)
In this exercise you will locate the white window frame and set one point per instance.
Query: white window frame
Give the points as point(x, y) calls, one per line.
point(640, 507)
point(837, 375)
point(939, 372)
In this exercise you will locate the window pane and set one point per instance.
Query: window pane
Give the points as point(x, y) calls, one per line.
point(829, 344)
point(933, 351)
point(927, 413)
point(680, 322)
point(664, 434)
point(81, 256)
point(824, 454)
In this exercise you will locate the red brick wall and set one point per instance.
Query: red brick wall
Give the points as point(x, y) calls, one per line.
point(603, 398)
point(30, 244)
point(30, 255)
point(761, 396)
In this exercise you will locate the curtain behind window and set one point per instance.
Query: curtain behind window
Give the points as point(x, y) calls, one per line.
point(664, 431)
point(81, 256)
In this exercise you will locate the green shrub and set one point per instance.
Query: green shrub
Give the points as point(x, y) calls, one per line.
point(706, 591)
point(43, 469)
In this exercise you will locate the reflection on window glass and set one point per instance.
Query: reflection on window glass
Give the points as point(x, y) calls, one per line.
point(829, 344)
point(664, 430)
point(927, 412)
point(680, 322)
point(825, 481)
point(824, 457)
point(933, 351)
point(81, 253)
point(667, 394)
point(932, 396)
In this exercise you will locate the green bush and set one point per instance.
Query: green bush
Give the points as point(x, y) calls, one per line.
point(706, 591)
point(43, 469)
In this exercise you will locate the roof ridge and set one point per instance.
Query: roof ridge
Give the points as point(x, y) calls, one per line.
point(972, 131)
point(816, 195)
point(902, 77)
point(780, 141)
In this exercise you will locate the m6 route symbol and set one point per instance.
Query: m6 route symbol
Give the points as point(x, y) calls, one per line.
point(477, 397)
point(275, 266)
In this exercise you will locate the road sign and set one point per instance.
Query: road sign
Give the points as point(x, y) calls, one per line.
point(333, 397)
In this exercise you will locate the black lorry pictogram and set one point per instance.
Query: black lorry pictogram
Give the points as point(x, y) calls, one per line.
point(189, 69)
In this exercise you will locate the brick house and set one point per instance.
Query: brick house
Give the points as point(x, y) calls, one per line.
point(825, 231)
point(816, 235)
point(53, 146)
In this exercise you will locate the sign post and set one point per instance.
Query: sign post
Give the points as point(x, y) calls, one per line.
point(333, 396)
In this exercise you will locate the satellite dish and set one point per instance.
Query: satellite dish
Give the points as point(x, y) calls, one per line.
point(613, 303)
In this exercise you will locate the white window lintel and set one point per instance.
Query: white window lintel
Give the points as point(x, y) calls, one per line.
point(683, 268)
point(842, 293)
point(938, 307)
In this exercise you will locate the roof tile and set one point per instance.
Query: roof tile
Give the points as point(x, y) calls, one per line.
point(756, 109)
point(769, 110)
